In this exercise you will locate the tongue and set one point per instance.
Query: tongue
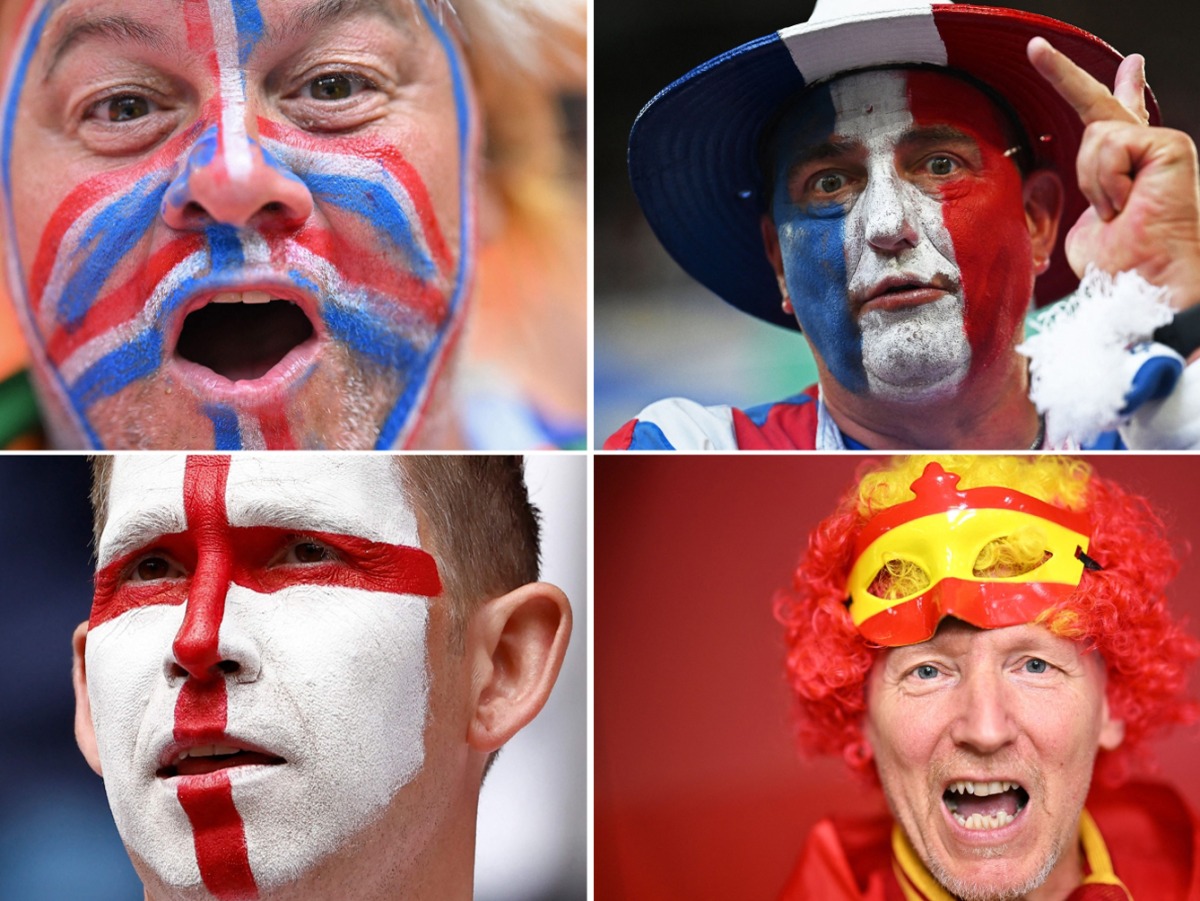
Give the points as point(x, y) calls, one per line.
point(1005, 801)
point(196, 766)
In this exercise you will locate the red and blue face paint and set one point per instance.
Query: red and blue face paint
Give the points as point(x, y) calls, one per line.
point(243, 607)
point(901, 228)
point(137, 295)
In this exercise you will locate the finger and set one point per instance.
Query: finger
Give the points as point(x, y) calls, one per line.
point(1089, 98)
point(1104, 167)
point(1130, 86)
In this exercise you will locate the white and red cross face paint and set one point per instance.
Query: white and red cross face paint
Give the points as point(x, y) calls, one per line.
point(902, 231)
point(239, 224)
point(257, 661)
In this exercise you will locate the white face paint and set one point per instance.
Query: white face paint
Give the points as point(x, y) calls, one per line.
point(896, 231)
point(332, 679)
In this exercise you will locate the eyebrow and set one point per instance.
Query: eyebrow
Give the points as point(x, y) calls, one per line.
point(121, 29)
point(826, 150)
point(138, 529)
point(327, 12)
point(934, 133)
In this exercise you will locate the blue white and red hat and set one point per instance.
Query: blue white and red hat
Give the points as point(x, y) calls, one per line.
point(694, 149)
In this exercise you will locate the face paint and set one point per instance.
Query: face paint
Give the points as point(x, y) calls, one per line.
point(218, 258)
point(943, 532)
point(901, 228)
point(276, 607)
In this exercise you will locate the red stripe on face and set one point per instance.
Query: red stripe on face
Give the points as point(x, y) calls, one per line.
point(276, 430)
point(983, 212)
point(220, 839)
point(204, 504)
point(253, 551)
point(201, 712)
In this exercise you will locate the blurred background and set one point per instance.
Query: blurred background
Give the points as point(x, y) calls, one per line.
point(658, 333)
point(57, 838)
point(700, 792)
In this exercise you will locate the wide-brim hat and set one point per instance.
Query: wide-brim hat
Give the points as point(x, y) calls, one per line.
point(694, 149)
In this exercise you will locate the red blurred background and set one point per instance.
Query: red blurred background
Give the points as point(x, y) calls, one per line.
point(699, 792)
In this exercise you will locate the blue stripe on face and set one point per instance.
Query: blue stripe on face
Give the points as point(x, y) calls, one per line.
point(225, 248)
point(249, 27)
point(108, 239)
point(18, 82)
point(131, 361)
point(400, 413)
point(374, 204)
point(812, 241)
point(226, 434)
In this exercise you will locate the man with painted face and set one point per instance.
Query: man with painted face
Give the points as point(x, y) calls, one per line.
point(296, 672)
point(241, 224)
point(890, 178)
point(987, 638)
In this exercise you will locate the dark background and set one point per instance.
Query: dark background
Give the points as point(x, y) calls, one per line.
point(699, 790)
point(651, 320)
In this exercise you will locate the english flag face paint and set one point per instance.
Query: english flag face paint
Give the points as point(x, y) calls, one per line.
point(902, 231)
point(257, 661)
point(238, 223)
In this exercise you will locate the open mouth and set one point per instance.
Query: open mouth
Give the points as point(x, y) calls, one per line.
point(984, 805)
point(203, 759)
point(242, 335)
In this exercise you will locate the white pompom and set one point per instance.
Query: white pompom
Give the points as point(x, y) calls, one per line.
point(1078, 359)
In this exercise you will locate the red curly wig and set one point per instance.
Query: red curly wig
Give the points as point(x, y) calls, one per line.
point(1119, 610)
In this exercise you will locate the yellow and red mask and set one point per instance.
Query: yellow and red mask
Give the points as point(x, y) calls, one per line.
point(942, 532)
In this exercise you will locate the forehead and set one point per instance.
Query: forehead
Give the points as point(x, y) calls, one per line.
point(349, 494)
point(885, 103)
point(955, 638)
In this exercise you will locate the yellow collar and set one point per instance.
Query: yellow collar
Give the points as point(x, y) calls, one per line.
point(918, 885)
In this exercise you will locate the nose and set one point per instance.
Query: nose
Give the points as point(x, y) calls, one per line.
point(983, 723)
point(208, 646)
point(235, 182)
point(889, 214)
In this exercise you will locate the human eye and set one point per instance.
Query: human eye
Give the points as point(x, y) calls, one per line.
point(124, 108)
point(304, 551)
point(924, 672)
point(154, 566)
point(337, 86)
point(126, 120)
point(334, 99)
point(941, 165)
point(1035, 665)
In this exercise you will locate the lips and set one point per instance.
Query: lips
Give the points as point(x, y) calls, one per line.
point(192, 758)
point(904, 291)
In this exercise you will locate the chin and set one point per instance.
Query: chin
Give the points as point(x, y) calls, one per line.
point(991, 880)
point(337, 407)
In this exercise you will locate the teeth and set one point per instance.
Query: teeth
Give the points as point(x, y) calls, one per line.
point(982, 789)
point(207, 751)
point(242, 297)
point(978, 821)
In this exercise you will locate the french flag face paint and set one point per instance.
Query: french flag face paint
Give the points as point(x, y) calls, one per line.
point(257, 662)
point(247, 226)
point(902, 231)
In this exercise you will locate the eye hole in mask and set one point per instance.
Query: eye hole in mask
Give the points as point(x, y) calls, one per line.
point(898, 579)
point(1013, 555)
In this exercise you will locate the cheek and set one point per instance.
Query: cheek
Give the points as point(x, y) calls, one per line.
point(814, 257)
point(992, 248)
point(353, 666)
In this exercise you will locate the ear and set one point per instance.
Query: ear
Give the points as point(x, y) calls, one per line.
point(770, 236)
point(516, 643)
point(1112, 732)
point(85, 732)
point(1043, 198)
